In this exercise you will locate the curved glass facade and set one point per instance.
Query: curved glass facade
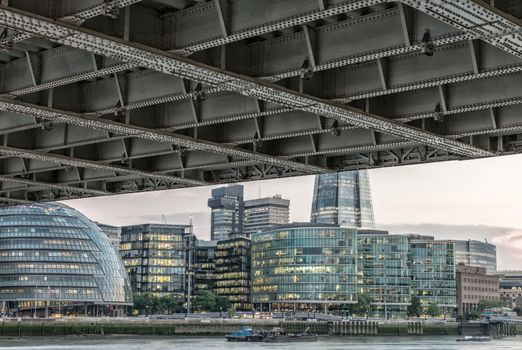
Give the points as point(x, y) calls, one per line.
point(477, 254)
point(305, 264)
point(51, 253)
point(343, 199)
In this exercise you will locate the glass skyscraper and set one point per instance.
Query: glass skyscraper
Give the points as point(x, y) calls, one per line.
point(343, 199)
point(53, 257)
point(227, 211)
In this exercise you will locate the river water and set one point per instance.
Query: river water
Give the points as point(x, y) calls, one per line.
point(219, 343)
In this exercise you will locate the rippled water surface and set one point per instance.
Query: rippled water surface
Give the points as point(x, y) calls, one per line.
point(218, 343)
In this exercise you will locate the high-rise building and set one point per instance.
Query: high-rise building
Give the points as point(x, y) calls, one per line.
point(432, 268)
point(474, 285)
point(203, 266)
point(264, 213)
point(343, 199)
point(155, 256)
point(55, 260)
point(477, 254)
point(232, 271)
point(383, 272)
point(302, 264)
point(227, 211)
point(113, 232)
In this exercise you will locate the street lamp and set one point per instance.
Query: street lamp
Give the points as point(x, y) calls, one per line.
point(35, 300)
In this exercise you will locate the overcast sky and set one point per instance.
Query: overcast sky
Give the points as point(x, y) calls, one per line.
point(478, 199)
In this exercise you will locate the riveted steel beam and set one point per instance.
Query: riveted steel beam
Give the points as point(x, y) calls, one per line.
point(50, 185)
point(148, 134)
point(180, 66)
point(83, 163)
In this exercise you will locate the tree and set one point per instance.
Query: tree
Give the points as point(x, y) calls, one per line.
point(363, 304)
point(415, 308)
point(210, 302)
point(489, 304)
point(518, 310)
point(169, 304)
point(144, 303)
point(433, 310)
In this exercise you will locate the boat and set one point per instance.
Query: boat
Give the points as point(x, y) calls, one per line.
point(241, 335)
point(479, 338)
point(276, 335)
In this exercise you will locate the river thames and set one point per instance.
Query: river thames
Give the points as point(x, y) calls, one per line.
point(218, 343)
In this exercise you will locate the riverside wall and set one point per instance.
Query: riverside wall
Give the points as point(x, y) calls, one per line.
point(217, 327)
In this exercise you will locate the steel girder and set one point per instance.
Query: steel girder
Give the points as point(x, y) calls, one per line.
point(148, 134)
point(171, 64)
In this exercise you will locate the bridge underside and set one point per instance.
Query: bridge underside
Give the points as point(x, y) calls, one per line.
point(105, 97)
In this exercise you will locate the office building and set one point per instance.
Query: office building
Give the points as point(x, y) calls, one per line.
point(432, 268)
point(203, 266)
point(474, 285)
point(113, 233)
point(298, 265)
point(265, 213)
point(232, 271)
point(383, 272)
point(343, 199)
point(55, 260)
point(510, 287)
point(476, 253)
point(227, 212)
point(155, 256)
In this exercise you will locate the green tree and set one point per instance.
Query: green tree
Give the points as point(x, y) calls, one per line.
point(489, 304)
point(210, 302)
point(363, 304)
point(144, 303)
point(415, 308)
point(169, 304)
point(433, 310)
point(518, 310)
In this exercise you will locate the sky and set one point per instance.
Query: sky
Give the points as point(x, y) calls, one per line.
point(473, 199)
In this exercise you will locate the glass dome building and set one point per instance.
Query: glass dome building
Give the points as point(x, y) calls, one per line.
point(55, 260)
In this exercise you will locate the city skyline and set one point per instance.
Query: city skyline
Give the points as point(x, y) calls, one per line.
point(419, 199)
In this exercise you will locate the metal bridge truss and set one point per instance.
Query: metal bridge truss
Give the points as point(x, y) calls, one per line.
point(100, 97)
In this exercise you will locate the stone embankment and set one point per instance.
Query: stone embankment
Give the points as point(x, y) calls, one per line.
point(217, 327)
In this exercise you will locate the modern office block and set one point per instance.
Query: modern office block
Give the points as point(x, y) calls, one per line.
point(203, 266)
point(55, 259)
point(477, 254)
point(383, 272)
point(232, 271)
point(156, 256)
point(302, 264)
point(227, 211)
point(432, 267)
point(264, 213)
point(343, 199)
